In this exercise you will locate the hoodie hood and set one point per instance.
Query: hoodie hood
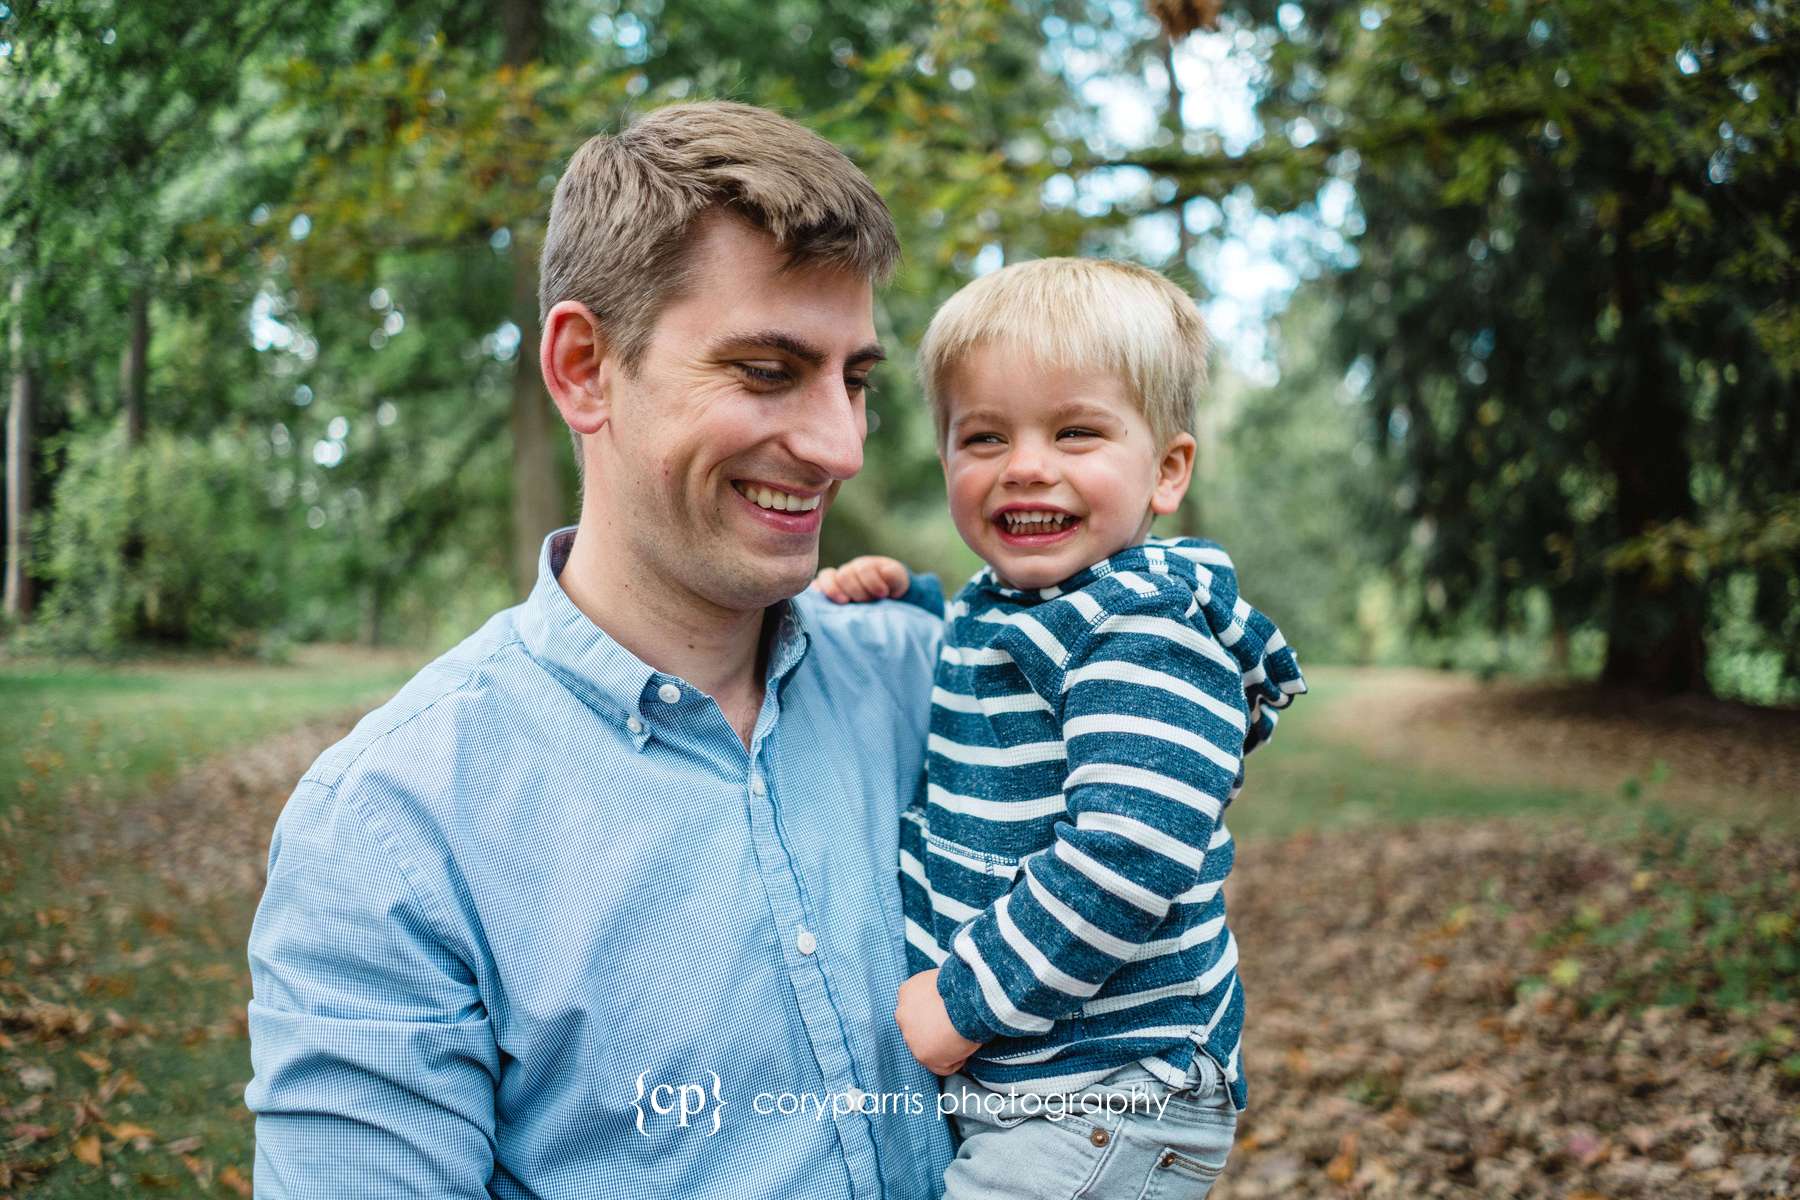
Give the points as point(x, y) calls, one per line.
point(1268, 664)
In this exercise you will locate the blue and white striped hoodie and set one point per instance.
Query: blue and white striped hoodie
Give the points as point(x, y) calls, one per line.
point(1064, 867)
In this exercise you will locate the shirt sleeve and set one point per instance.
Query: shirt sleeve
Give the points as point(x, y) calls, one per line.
point(924, 591)
point(1153, 719)
point(375, 1061)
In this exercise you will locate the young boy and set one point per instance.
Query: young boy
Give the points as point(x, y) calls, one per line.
point(1092, 704)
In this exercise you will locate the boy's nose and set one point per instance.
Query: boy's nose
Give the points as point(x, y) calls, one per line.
point(1027, 464)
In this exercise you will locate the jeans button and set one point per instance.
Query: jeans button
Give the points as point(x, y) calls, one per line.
point(1099, 1137)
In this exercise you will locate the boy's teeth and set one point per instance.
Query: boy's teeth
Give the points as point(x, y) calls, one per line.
point(769, 498)
point(1036, 522)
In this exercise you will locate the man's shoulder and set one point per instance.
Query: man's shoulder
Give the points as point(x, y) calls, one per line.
point(457, 688)
point(890, 629)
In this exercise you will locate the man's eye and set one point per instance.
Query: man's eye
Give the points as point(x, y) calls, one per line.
point(857, 383)
point(763, 375)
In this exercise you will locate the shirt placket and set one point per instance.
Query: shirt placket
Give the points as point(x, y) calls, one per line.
point(801, 954)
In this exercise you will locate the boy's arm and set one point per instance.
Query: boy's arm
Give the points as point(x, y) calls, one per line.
point(1153, 718)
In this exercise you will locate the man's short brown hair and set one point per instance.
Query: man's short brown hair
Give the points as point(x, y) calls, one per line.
point(618, 240)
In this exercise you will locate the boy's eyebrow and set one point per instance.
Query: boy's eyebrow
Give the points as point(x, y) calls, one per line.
point(808, 353)
point(1083, 408)
point(979, 414)
point(1063, 411)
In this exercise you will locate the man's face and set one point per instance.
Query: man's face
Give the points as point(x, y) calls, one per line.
point(745, 414)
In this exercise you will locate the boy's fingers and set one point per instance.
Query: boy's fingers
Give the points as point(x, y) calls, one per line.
point(827, 583)
point(872, 575)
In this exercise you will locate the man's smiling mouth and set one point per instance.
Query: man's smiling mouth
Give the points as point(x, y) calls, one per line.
point(776, 501)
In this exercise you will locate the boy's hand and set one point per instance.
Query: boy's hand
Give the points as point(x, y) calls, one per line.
point(926, 1026)
point(870, 577)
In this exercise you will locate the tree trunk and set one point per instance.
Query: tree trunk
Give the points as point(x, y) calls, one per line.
point(538, 503)
point(132, 365)
point(19, 416)
point(1655, 629)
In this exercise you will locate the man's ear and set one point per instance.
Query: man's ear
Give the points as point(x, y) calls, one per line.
point(1173, 474)
point(576, 360)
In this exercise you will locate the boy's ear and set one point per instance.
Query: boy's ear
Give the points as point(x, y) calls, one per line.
point(577, 363)
point(1173, 474)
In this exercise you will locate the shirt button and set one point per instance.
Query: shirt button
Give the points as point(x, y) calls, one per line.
point(806, 943)
point(856, 1096)
point(633, 724)
point(668, 693)
point(757, 786)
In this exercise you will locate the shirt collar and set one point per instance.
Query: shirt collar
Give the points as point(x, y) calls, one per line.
point(609, 678)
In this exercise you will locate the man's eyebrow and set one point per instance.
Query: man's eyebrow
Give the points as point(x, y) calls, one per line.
point(787, 343)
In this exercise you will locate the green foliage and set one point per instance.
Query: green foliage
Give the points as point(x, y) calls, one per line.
point(1563, 295)
point(1569, 281)
point(175, 542)
point(1295, 493)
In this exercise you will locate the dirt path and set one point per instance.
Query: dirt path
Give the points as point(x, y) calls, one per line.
point(1717, 755)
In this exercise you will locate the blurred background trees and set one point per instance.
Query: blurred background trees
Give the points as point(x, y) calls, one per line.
point(1518, 395)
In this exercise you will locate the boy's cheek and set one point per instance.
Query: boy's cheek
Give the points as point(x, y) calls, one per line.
point(967, 495)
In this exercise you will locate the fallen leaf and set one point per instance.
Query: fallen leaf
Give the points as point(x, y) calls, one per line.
point(1342, 1168)
point(234, 1179)
point(23, 1108)
point(37, 1079)
point(87, 1149)
point(199, 1168)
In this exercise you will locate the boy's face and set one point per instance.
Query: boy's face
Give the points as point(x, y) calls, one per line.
point(1051, 469)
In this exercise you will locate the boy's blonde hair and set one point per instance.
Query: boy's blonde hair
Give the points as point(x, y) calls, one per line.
point(1089, 313)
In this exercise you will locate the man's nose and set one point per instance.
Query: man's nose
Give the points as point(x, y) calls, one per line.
point(830, 430)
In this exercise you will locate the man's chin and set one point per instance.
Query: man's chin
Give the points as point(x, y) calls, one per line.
point(756, 583)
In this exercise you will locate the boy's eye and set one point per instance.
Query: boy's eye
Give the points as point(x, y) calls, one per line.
point(1076, 432)
point(982, 439)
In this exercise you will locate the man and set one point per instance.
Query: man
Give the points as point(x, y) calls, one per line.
point(602, 902)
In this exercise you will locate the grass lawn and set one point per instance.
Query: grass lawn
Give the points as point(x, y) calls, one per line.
point(115, 731)
point(1302, 780)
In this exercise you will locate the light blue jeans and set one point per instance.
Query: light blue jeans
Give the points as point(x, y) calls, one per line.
point(1126, 1138)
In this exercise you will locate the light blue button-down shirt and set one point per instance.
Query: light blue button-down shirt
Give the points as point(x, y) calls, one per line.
point(542, 926)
